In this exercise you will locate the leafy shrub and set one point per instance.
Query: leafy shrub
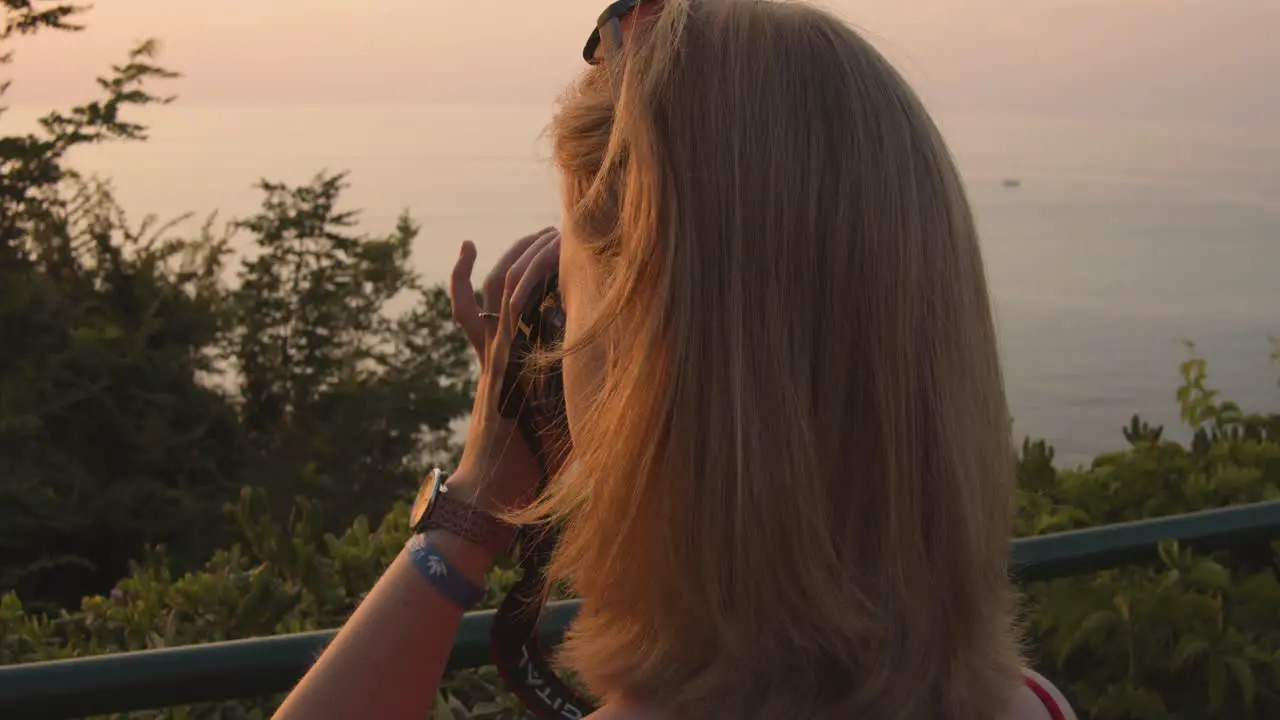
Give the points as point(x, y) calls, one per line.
point(1196, 636)
point(281, 578)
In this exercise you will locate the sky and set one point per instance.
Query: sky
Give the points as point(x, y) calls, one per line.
point(1214, 61)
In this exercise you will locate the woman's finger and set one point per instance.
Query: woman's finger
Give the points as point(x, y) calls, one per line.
point(538, 265)
point(520, 268)
point(500, 332)
point(466, 311)
point(495, 283)
point(495, 294)
point(498, 337)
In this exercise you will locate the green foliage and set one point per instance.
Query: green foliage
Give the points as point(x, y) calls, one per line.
point(140, 391)
point(108, 438)
point(280, 578)
point(1195, 636)
point(1191, 638)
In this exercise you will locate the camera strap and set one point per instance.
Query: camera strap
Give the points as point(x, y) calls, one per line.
point(516, 650)
point(513, 638)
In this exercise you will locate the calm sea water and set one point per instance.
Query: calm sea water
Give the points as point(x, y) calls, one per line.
point(1124, 239)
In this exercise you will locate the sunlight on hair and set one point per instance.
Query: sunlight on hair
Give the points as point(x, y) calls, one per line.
point(792, 493)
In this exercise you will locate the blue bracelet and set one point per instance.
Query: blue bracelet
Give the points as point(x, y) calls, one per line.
point(441, 575)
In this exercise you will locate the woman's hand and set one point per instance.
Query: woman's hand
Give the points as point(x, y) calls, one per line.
point(498, 471)
point(390, 655)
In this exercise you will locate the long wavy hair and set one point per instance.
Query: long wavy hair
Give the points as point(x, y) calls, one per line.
point(792, 494)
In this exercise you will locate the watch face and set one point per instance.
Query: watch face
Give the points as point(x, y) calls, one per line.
point(426, 494)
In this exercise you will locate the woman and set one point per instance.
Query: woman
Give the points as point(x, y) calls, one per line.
point(791, 483)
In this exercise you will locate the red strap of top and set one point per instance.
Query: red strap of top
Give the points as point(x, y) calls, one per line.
point(1050, 704)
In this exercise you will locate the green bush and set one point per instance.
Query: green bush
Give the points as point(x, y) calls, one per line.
point(281, 578)
point(1196, 636)
point(1193, 637)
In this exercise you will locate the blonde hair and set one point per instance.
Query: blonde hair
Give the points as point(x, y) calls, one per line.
point(791, 496)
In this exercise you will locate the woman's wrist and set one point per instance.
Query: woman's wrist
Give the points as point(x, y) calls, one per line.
point(463, 485)
point(470, 559)
point(484, 491)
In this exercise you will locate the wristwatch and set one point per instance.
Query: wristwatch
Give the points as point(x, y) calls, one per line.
point(435, 509)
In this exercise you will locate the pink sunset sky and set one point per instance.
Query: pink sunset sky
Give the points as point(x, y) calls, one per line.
point(1214, 60)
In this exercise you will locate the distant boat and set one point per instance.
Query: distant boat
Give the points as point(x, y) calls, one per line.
point(1012, 182)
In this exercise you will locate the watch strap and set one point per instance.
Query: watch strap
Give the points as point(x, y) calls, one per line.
point(469, 523)
point(442, 575)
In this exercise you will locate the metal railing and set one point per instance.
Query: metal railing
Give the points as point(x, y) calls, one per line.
point(268, 665)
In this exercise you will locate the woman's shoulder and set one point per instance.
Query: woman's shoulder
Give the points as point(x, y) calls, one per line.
point(1039, 699)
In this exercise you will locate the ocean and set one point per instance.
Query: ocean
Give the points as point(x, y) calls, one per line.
point(1124, 239)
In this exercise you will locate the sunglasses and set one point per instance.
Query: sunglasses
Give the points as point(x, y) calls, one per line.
point(606, 38)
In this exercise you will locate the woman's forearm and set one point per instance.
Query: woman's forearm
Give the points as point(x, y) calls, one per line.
point(388, 659)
